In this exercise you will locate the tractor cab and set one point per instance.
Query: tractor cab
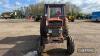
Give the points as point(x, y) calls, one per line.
point(54, 10)
point(54, 13)
point(54, 20)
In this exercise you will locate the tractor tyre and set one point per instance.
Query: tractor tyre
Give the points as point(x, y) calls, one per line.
point(43, 32)
point(70, 46)
point(41, 46)
point(40, 51)
point(43, 27)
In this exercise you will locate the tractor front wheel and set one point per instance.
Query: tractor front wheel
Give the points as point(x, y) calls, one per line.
point(70, 46)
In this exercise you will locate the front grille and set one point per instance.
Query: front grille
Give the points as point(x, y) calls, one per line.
point(56, 23)
point(55, 32)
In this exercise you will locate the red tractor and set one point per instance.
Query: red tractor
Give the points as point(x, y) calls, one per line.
point(53, 29)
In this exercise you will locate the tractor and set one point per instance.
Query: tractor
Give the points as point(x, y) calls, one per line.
point(53, 29)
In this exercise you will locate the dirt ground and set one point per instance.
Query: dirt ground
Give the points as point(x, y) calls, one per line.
point(19, 38)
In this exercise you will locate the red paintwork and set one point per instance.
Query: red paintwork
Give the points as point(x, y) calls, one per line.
point(55, 19)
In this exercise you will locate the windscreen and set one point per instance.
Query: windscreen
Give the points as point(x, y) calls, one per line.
point(54, 12)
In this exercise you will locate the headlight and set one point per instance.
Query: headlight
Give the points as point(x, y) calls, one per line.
point(49, 31)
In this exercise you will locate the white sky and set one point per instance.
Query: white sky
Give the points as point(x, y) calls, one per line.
point(85, 5)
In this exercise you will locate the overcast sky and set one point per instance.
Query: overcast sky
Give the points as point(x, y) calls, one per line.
point(85, 5)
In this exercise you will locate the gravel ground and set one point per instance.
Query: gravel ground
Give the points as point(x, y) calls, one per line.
point(17, 39)
point(87, 37)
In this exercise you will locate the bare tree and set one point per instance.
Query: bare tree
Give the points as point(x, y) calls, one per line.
point(38, 9)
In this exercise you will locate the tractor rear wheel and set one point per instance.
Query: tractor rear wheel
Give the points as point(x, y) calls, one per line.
point(43, 33)
point(43, 27)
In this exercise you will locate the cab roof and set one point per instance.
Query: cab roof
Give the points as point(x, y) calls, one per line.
point(54, 5)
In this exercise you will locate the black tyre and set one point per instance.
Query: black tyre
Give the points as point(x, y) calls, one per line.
point(70, 46)
point(40, 51)
point(43, 27)
point(43, 34)
point(41, 47)
point(39, 54)
point(43, 30)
